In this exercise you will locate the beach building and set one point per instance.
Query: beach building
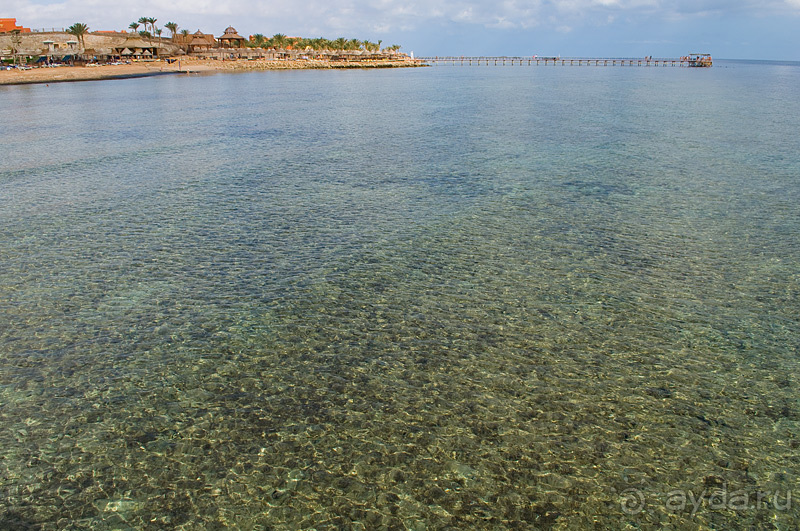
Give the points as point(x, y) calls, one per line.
point(195, 42)
point(52, 47)
point(8, 25)
point(62, 47)
point(231, 39)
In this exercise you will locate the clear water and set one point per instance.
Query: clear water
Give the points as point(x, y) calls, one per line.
point(452, 297)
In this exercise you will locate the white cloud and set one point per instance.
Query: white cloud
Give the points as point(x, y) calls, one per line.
point(355, 17)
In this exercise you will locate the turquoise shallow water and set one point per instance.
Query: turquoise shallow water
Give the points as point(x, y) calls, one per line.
point(449, 297)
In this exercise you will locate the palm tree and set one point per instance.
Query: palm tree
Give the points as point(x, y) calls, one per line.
point(279, 40)
point(173, 29)
point(159, 31)
point(146, 35)
point(79, 30)
point(152, 22)
point(258, 40)
point(143, 21)
point(134, 26)
point(185, 34)
point(320, 43)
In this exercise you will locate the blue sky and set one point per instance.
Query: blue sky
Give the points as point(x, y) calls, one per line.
point(735, 29)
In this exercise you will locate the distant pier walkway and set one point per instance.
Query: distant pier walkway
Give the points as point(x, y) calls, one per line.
point(554, 61)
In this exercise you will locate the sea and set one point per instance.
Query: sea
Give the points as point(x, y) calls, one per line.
point(453, 297)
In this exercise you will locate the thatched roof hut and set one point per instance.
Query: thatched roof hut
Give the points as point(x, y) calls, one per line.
point(231, 39)
point(136, 48)
point(196, 42)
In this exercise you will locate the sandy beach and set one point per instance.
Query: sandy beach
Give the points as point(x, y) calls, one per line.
point(186, 66)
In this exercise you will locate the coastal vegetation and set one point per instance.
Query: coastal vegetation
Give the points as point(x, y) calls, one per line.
point(148, 22)
point(79, 30)
point(173, 29)
point(277, 41)
point(280, 40)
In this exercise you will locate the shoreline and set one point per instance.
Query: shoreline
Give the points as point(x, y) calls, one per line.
point(188, 66)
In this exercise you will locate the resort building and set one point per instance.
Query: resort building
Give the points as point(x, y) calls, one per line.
point(195, 42)
point(8, 25)
point(51, 47)
point(62, 47)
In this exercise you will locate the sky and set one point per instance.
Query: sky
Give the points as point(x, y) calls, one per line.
point(730, 29)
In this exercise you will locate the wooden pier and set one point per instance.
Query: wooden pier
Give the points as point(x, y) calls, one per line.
point(556, 61)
